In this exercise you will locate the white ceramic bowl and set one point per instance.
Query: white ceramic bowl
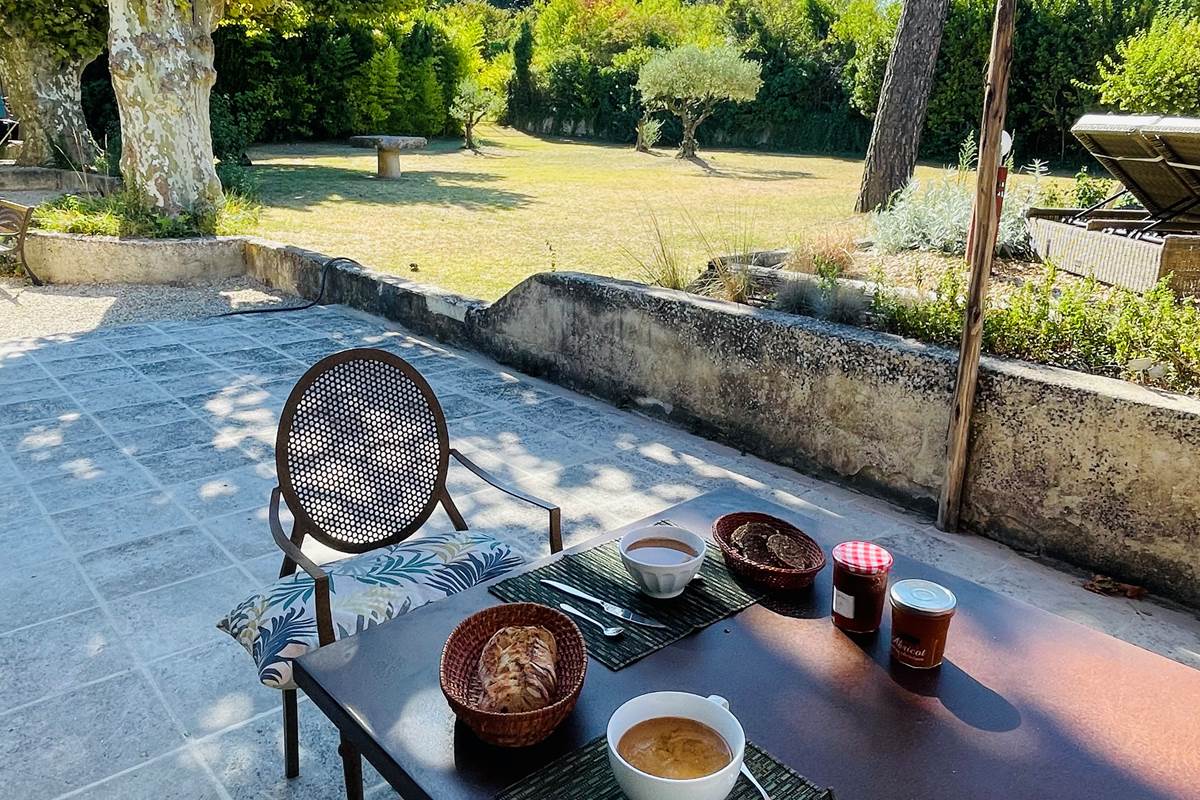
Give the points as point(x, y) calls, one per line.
point(712, 711)
point(656, 580)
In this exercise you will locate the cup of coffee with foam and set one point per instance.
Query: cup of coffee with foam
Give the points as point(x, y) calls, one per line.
point(675, 746)
point(662, 559)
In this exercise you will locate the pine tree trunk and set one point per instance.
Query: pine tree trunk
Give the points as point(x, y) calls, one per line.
point(896, 135)
point(43, 95)
point(161, 58)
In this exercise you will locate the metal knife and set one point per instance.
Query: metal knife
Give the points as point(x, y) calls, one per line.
point(609, 608)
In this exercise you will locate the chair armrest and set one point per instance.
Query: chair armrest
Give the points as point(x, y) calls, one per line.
point(555, 512)
point(293, 556)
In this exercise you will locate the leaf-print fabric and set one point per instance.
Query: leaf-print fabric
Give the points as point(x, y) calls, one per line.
point(279, 623)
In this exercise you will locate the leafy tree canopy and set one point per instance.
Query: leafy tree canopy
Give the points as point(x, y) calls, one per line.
point(693, 78)
point(70, 28)
point(1156, 71)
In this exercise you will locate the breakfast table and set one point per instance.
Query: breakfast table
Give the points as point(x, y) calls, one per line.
point(1026, 705)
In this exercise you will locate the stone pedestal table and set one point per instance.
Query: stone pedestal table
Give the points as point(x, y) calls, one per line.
point(388, 149)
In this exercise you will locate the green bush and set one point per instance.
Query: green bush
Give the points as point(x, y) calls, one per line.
point(127, 215)
point(1152, 338)
point(1156, 71)
point(239, 180)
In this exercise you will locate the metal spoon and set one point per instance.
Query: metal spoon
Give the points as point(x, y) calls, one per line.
point(611, 633)
point(756, 784)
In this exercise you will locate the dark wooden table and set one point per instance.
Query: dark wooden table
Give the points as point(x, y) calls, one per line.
point(1027, 706)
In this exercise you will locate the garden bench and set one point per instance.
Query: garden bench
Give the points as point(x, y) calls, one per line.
point(14, 223)
point(388, 148)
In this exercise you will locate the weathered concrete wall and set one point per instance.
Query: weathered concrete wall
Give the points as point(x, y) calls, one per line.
point(422, 308)
point(29, 179)
point(1098, 472)
point(70, 258)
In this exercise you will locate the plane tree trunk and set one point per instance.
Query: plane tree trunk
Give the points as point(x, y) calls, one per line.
point(44, 96)
point(161, 58)
point(896, 135)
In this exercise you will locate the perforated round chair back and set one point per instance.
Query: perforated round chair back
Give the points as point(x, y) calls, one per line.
point(362, 450)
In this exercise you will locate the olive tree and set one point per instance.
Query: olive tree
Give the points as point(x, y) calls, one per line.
point(44, 46)
point(473, 103)
point(690, 81)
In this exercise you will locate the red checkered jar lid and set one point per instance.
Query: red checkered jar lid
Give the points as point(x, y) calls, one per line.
point(863, 558)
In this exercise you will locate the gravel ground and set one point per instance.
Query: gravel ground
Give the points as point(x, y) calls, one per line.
point(27, 310)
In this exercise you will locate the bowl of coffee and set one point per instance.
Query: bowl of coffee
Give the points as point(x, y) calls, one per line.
point(662, 559)
point(675, 746)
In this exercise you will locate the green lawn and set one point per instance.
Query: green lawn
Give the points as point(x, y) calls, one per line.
point(479, 223)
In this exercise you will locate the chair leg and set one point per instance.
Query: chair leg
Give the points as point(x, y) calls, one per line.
point(352, 769)
point(291, 734)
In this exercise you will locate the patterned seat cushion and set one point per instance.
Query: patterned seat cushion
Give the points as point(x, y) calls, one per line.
point(279, 623)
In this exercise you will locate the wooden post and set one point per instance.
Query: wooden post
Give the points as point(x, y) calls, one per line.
point(983, 237)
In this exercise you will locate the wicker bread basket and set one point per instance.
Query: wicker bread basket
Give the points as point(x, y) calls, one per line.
point(460, 679)
point(775, 579)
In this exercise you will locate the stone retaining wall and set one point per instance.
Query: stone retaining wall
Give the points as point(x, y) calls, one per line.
point(33, 179)
point(1097, 472)
point(69, 258)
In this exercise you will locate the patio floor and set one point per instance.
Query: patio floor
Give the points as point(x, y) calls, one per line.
point(135, 466)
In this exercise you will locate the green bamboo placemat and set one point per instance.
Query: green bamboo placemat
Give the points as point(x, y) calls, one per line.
point(585, 773)
point(600, 573)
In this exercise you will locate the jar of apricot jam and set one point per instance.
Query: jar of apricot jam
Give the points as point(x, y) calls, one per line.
point(921, 612)
point(860, 579)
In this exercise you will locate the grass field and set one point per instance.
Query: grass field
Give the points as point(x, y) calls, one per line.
point(479, 223)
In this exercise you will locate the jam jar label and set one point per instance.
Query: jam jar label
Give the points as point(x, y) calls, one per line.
point(910, 647)
point(843, 604)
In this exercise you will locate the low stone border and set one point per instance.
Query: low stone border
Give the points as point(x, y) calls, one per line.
point(71, 258)
point(34, 179)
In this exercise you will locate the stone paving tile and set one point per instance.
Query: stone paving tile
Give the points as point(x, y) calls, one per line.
point(35, 593)
point(28, 541)
point(98, 379)
point(176, 776)
point(169, 436)
point(101, 481)
point(182, 615)
point(151, 562)
point(17, 371)
point(46, 408)
point(118, 519)
point(248, 760)
point(167, 371)
point(240, 490)
point(127, 418)
point(55, 748)
point(158, 352)
point(31, 390)
point(72, 426)
point(78, 364)
point(245, 534)
point(197, 461)
point(212, 687)
point(125, 394)
point(58, 655)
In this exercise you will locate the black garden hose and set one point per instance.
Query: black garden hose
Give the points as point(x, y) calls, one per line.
point(315, 301)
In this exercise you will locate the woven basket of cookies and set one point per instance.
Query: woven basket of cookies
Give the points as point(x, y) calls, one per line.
point(768, 551)
point(512, 673)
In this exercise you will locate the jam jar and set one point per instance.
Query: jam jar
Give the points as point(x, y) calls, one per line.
point(921, 612)
point(860, 579)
